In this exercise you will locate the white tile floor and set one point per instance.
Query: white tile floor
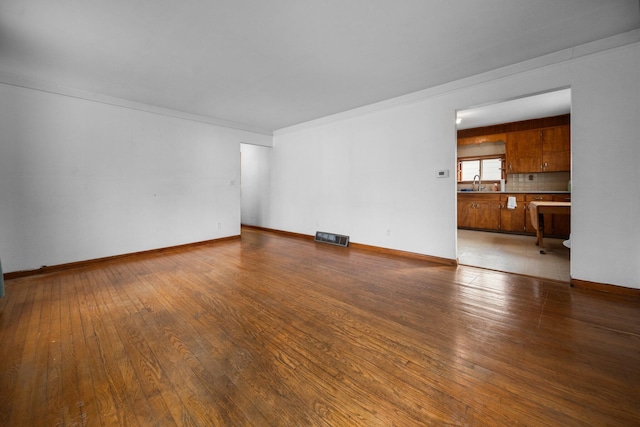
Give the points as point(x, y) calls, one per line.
point(514, 254)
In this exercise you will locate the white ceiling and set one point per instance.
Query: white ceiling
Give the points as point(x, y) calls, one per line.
point(272, 64)
point(531, 107)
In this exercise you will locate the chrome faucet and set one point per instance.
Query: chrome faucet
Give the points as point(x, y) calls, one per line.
point(479, 182)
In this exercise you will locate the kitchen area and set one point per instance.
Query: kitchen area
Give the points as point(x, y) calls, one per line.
point(506, 170)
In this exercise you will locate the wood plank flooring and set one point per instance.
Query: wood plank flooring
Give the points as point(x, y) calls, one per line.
point(270, 330)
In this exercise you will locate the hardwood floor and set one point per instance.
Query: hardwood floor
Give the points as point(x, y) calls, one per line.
point(270, 330)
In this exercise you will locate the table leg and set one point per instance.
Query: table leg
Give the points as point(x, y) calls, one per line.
point(540, 233)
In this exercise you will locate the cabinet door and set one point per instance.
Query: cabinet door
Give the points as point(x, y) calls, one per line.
point(465, 211)
point(562, 223)
point(512, 219)
point(481, 211)
point(523, 151)
point(556, 149)
point(488, 215)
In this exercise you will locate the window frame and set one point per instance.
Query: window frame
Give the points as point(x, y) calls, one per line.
point(502, 158)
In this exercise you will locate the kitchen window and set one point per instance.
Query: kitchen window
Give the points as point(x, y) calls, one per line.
point(490, 168)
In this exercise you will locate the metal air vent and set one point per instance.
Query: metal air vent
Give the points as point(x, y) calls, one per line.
point(331, 238)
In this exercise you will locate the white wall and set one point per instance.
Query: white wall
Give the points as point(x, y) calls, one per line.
point(255, 189)
point(605, 246)
point(371, 177)
point(370, 173)
point(81, 179)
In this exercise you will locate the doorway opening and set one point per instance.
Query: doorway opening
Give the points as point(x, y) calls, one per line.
point(255, 178)
point(509, 154)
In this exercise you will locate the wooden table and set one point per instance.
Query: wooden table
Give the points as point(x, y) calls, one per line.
point(539, 209)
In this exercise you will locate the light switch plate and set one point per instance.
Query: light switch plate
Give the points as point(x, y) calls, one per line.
point(443, 173)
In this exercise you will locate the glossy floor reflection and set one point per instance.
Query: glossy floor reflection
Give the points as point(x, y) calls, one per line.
point(514, 254)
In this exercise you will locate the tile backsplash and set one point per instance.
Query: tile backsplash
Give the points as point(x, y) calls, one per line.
point(547, 181)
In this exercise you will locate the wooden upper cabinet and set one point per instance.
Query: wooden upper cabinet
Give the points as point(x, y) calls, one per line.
point(556, 149)
point(540, 150)
point(523, 151)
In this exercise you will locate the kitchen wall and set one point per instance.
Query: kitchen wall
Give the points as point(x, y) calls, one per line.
point(371, 173)
point(484, 149)
point(547, 181)
point(82, 179)
point(497, 148)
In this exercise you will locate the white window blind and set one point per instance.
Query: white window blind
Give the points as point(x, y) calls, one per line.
point(489, 169)
point(469, 169)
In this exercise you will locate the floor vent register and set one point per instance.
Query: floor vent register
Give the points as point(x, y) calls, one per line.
point(331, 238)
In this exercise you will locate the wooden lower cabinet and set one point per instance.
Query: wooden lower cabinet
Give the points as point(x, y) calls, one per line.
point(562, 223)
point(480, 211)
point(512, 220)
point(490, 212)
point(488, 215)
point(465, 213)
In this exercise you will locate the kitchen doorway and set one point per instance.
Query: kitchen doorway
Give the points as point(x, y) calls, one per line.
point(494, 226)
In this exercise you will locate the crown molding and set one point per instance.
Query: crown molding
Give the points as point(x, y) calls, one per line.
point(52, 88)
